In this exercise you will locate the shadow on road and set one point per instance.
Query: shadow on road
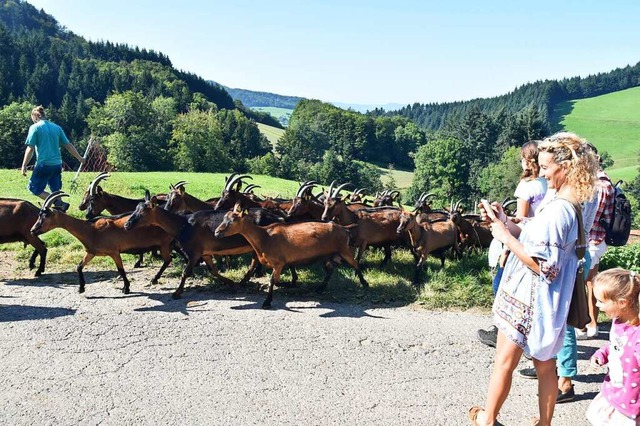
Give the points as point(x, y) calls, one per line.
point(197, 300)
point(24, 313)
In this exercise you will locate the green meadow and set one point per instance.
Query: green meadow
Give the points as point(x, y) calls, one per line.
point(612, 123)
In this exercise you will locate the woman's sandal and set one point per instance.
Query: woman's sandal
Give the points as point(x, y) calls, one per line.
point(535, 421)
point(473, 414)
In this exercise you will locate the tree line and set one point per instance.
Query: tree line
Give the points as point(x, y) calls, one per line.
point(546, 96)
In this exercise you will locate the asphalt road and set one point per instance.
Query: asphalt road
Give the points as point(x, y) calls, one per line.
point(217, 358)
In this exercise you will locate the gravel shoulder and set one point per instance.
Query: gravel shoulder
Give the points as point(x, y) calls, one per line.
point(215, 357)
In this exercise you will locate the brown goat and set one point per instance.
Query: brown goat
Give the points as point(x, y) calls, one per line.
point(428, 238)
point(16, 219)
point(104, 237)
point(195, 233)
point(280, 245)
point(376, 226)
point(95, 200)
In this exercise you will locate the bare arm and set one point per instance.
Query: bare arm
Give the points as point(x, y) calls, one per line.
point(72, 149)
point(28, 153)
point(503, 235)
point(523, 208)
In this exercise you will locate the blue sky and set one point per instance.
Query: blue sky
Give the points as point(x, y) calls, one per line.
point(370, 51)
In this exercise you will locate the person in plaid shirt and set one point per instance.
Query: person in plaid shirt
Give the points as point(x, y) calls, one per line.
point(603, 213)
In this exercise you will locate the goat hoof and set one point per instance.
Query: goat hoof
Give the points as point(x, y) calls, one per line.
point(38, 273)
point(266, 305)
point(154, 282)
point(176, 295)
point(81, 290)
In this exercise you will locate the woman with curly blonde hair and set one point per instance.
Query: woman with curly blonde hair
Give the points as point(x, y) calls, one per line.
point(531, 307)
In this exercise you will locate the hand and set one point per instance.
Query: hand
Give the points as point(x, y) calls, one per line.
point(498, 212)
point(24, 171)
point(595, 362)
point(500, 231)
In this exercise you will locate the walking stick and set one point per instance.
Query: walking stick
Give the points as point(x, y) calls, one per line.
point(74, 184)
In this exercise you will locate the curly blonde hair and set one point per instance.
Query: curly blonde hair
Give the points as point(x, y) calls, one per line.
point(572, 152)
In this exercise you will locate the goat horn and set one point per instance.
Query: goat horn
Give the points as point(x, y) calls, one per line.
point(395, 191)
point(330, 191)
point(338, 189)
point(92, 185)
point(361, 191)
point(233, 180)
point(227, 180)
point(423, 198)
point(250, 188)
point(429, 195)
point(457, 205)
point(179, 184)
point(304, 189)
point(51, 198)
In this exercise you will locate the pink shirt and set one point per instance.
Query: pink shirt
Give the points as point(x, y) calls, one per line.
point(621, 385)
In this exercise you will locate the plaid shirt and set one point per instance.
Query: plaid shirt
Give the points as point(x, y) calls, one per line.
point(605, 194)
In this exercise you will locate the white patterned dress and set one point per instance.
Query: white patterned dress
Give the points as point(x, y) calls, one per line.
point(530, 309)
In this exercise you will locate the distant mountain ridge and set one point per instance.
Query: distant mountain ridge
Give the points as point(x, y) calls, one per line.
point(251, 98)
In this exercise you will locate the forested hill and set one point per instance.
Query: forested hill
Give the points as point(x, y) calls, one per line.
point(252, 99)
point(146, 114)
point(541, 95)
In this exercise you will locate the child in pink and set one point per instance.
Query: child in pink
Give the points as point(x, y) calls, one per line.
point(617, 292)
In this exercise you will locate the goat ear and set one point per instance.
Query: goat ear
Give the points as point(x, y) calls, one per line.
point(147, 195)
point(154, 201)
point(237, 208)
point(99, 190)
point(245, 211)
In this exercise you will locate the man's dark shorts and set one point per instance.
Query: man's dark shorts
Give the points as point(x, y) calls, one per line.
point(45, 175)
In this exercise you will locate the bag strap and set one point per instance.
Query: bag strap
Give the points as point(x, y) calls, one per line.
point(581, 245)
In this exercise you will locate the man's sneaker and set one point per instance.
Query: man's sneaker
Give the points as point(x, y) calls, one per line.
point(62, 206)
point(528, 373)
point(489, 336)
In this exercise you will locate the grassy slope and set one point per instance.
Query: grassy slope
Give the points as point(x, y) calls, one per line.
point(612, 123)
point(272, 133)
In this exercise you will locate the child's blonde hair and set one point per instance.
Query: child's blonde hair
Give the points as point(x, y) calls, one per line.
point(619, 283)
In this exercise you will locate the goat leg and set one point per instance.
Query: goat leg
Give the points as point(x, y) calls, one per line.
point(32, 260)
point(253, 267)
point(416, 274)
point(212, 268)
point(86, 259)
point(188, 270)
point(118, 260)
point(294, 279)
point(275, 279)
point(328, 267)
point(139, 262)
point(166, 256)
point(159, 274)
point(42, 250)
point(347, 255)
point(387, 255)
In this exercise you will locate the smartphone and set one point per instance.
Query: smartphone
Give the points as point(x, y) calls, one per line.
point(488, 209)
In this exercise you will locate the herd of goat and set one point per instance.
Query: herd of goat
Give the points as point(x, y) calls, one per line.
point(327, 227)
